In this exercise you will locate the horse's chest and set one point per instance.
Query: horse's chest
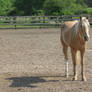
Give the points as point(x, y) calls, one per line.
point(77, 44)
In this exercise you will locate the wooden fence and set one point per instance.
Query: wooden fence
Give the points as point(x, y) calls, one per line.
point(35, 21)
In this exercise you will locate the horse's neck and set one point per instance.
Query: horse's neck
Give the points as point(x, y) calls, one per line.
point(77, 34)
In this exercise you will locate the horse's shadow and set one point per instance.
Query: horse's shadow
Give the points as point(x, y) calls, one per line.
point(28, 81)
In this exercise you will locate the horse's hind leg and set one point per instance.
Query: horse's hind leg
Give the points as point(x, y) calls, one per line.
point(65, 47)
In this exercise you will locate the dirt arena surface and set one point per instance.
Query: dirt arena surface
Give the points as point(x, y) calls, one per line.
point(31, 60)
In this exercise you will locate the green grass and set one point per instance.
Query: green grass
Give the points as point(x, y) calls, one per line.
point(8, 26)
point(30, 26)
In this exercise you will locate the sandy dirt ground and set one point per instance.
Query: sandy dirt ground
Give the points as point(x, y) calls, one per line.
point(31, 60)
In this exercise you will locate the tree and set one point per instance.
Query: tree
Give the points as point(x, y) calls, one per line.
point(62, 7)
point(44, 7)
point(28, 7)
point(53, 7)
point(88, 3)
point(6, 6)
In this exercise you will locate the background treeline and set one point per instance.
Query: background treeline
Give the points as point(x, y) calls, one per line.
point(45, 7)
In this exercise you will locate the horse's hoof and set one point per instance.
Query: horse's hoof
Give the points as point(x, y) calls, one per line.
point(84, 79)
point(66, 76)
point(74, 79)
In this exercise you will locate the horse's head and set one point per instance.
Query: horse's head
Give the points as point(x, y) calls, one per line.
point(85, 27)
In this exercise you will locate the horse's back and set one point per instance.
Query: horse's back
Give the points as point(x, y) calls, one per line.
point(69, 24)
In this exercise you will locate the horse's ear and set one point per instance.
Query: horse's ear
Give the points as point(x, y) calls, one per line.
point(80, 18)
point(87, 17)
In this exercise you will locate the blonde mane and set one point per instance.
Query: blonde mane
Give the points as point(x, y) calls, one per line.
point(75, 31)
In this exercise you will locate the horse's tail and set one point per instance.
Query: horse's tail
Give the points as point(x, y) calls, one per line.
point(78, 58)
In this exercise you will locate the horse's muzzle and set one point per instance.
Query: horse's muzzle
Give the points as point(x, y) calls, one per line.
point(85, 38)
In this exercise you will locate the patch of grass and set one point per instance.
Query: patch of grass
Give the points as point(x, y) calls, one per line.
point(31, 26)
point(8, 26)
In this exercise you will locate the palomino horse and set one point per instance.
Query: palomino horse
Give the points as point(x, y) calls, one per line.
point(75, 34)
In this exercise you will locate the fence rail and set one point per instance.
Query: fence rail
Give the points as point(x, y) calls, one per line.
point(35, 21)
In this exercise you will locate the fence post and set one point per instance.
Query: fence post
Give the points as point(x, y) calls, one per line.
point(39, 19)
point(57, 21)
point(43, 19)
point(71, 18)
point(14, 21)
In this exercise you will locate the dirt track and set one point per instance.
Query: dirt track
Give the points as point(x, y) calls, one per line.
point(31, 60)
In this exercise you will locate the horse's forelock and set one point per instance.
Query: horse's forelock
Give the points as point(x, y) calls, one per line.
point(85, 21)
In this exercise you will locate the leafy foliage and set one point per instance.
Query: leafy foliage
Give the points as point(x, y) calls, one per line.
point(6, 6)
point(28, 7)
point(65, 7)
point(45, 7)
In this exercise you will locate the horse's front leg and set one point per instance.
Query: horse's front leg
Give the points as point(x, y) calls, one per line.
point(74, 52)
point(82, 65)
